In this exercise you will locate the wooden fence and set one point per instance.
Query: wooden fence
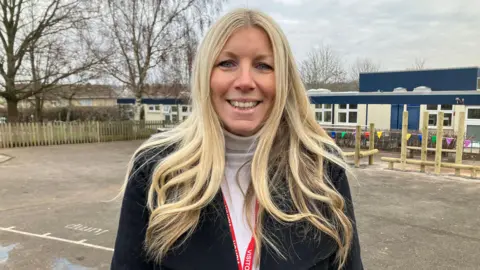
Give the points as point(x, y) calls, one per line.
point(39, 134)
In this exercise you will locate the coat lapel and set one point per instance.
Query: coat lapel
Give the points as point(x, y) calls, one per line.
point(301, 249)
point(210, 246)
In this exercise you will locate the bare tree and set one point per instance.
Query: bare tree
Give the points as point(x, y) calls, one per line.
point(419, 64)
point(322, 67)
point(143, 33)
point(27, 31)
point(362, 65)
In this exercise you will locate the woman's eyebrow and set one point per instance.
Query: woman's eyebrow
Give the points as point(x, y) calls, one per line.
point(264, 56)
point(260, 56)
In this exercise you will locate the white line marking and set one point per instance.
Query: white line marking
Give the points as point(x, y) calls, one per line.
point(11, 227)
point(46, 234)
point(81, 242)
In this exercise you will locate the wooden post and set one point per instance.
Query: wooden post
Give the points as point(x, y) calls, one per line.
point(10, 135)
point(371, 145)
point(438, 150)
point(3, 137)
point(98, 131)
point(460, 141)
point(424, 139)
point(357, 146)
point(403, 154)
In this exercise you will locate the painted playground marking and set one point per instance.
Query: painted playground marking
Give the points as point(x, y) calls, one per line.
point(47, 236)
point(83, 228)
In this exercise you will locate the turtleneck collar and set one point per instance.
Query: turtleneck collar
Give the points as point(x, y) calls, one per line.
point(239, 144)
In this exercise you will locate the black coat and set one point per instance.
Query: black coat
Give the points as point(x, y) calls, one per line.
point(211, 247)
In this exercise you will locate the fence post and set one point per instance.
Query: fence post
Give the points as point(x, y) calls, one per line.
point(424, 140)
point(3, 136)
point(403, 154)
point(460, 141)
point(357, 146)
point(438, 151)
point(98, 131)
point(371, 144)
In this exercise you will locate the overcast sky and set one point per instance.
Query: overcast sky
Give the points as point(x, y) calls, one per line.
point(446, 33)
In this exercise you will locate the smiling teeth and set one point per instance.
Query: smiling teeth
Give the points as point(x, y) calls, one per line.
point(244, 105)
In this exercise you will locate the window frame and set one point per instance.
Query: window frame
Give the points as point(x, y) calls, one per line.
point(156, 108)
point(439, 109)
point(86, 102)
point(320, 108)
point(347, 111)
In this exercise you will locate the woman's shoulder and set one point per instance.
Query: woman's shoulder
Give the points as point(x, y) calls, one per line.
point(145, 161)
point(335, 172)
point(152, 154)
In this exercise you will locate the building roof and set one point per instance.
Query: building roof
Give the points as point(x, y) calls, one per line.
point(440, 97)
point(461, 79)
point(79, 91)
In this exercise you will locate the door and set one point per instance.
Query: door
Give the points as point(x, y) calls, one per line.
point(413, 116)
point(396, 116)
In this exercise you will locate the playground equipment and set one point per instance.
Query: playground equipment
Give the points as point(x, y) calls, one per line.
point(438, 164)
point(357, 154)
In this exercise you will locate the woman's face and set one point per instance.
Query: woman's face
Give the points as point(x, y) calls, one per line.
point(243, 81)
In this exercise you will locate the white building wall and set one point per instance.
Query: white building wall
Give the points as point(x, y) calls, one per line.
point(380, 115)
point(170, 113)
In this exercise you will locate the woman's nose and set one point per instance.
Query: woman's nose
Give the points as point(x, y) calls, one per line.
point(245, 80)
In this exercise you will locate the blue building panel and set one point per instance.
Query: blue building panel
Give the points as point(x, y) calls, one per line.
point(467, 98)
point(459, 79)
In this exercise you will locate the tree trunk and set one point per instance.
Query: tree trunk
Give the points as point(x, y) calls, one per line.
point(69, 109)
point(39, 109)
point(138, 109)
point(12, 111)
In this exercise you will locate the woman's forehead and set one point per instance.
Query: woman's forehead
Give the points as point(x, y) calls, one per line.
point(248, 41)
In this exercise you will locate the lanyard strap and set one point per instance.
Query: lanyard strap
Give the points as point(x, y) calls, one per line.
point(247, 265)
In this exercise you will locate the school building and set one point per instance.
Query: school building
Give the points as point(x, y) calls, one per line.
point(383, 97)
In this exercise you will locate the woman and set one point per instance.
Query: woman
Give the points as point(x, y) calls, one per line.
point(249, 180)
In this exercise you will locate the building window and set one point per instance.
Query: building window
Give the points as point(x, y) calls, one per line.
point(174, 118)
point(347, 113)
point(154, 108)
point(86, 102)
point(167, 118)
point(473, 114)
point(174, 109)
point(167, 109)
point(323, 113)
point(433, 110)
point(184, 109)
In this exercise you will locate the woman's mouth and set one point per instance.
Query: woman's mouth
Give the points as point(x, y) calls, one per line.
point(244, 105)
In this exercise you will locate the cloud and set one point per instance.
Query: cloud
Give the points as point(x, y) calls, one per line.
point(392, 32)
point(290, 2)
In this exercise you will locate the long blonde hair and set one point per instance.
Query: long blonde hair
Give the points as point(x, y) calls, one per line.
point(189, 178)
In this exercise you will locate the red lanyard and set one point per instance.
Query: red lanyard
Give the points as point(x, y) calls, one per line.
point(251, 246)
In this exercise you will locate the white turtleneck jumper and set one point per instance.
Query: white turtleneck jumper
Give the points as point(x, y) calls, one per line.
point(238, 151)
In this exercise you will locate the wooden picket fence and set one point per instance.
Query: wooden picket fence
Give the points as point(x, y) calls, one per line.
point(40, 134)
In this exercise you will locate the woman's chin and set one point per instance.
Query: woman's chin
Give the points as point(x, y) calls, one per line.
point(243, 130)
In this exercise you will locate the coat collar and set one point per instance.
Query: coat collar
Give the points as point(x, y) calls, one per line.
point(211, 246)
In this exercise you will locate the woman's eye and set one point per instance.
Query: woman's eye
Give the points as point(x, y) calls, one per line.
point(227, 64)
point(264, 66)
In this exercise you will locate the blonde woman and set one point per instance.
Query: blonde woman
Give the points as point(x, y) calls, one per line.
point(249, 180)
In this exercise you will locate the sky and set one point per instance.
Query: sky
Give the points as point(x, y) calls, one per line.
point(393, 33)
